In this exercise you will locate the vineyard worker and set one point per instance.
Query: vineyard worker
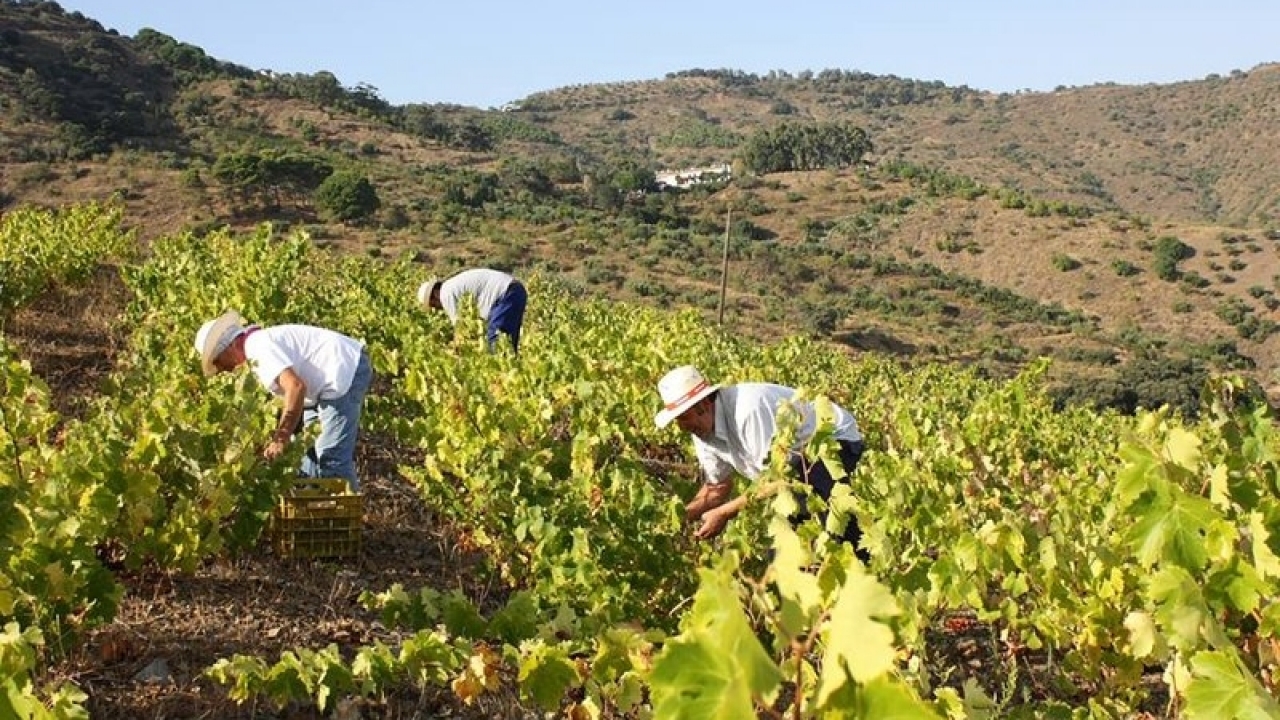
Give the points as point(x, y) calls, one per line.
point(320, 375)
point(733, 428)
point(499, 298)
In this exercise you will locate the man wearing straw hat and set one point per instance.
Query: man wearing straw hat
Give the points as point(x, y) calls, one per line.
point(500, 300)
point(733, 429)
point(321, 375)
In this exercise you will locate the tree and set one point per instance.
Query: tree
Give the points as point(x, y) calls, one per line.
point(293, 174)
point(322, 88)
point(805, 146)
point(347, 196)
point(423, 121)
point(188, 63)
point(269, 175)
point(472, 137)
point(240, 173)
point(522, 177)
point(471, 189)
point(629, 176)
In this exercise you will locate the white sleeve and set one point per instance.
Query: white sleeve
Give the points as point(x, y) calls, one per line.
point(268, 361)
point(449, 301)
point(715, 468)
point(756, 431)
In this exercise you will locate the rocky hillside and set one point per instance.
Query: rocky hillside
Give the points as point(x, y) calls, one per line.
point(1198, 151)
point(1129, 232)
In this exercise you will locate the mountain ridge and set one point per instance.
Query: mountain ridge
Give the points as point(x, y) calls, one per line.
point(970, 210)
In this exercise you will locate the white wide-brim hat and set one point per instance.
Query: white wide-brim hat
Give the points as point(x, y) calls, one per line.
point(214, 336)
point(425, 290)
point(681, 389)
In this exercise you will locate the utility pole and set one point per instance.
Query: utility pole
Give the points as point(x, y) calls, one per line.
point(724, 264)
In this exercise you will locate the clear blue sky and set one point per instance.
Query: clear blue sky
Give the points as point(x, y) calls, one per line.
point(484, 53)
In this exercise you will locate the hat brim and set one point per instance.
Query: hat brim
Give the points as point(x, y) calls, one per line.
point(207, 356)
point(666, 416)
point(425, 290)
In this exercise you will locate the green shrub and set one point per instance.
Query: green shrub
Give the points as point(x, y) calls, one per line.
point(1233, 311)
point(1065, 263)
point(347, 196)
point(1124, 268)
point(191, 178)
point(1195, 281)
point(1168, 252)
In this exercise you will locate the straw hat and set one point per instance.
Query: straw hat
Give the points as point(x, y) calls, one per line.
point(681, 389)
point(214, 336)
point(425, 290)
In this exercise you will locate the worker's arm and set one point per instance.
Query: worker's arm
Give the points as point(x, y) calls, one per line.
point(710, 495)
point(295, 393)
point(714, 520)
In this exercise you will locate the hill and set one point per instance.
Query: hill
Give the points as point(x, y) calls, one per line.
point(978, 227)
point(1198, 151)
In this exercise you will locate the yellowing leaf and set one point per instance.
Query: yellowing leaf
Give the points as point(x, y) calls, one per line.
point(1219, 689)
point(716, 668)
point(855, 640)
point(886, 699)
point(1183, 448)
point(1172, 530)
point(692, 682)
point(1142, 633)
point(1180, 607)
point(546, 674)
point(1219, 492)
point(1266, 561)
point(801, 596)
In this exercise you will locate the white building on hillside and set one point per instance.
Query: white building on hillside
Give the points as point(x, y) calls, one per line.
point(692, 176)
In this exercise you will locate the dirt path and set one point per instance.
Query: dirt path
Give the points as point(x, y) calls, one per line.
point(263, 605)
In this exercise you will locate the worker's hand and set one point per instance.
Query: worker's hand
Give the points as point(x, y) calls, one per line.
point(273, 450)
point(709, 497)
point(713, 522)
point(695, 507)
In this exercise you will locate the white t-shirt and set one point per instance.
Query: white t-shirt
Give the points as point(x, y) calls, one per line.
point(485, 284)
point(325, 360)
point(745, 423)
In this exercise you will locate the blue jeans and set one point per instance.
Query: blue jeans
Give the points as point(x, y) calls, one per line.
point(334, 454)
point(506, 316)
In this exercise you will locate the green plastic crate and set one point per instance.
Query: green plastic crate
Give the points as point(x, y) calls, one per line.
point(318, 519)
